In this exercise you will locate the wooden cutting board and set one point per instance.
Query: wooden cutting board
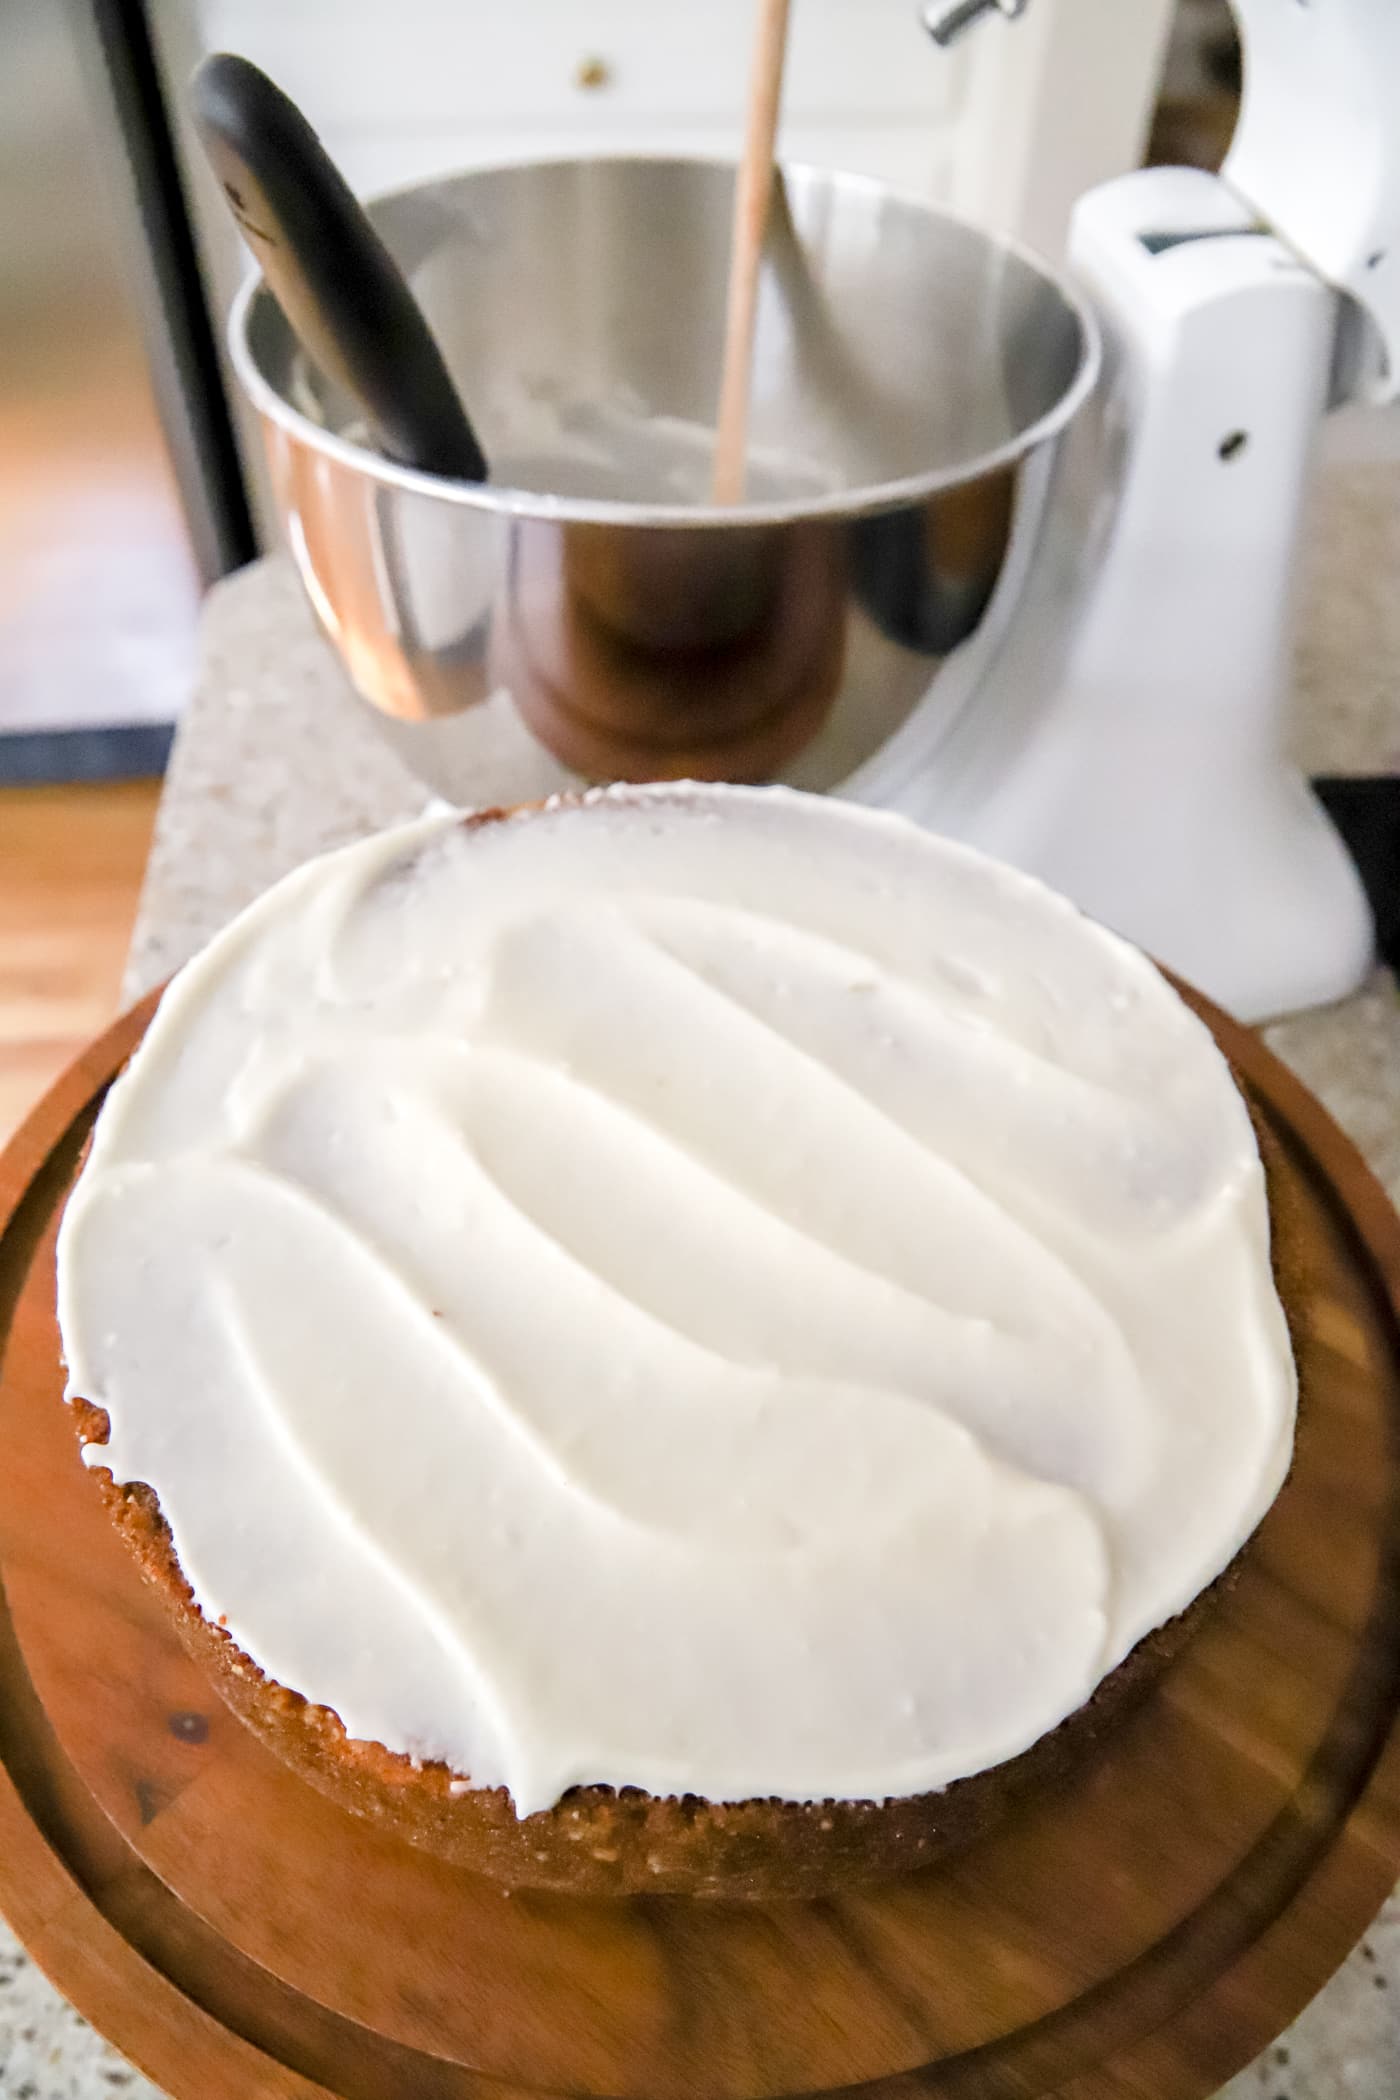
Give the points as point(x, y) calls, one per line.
point(1138, 1934)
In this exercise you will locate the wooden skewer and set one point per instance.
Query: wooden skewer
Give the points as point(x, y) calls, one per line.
point(752, 198)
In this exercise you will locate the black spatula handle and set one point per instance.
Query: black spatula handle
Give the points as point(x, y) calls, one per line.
point(335, 280)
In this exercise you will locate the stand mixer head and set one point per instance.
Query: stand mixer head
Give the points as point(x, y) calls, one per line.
point(1313, 153)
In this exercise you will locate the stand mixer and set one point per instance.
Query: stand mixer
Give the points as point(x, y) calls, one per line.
point(1148, 780)
point(1048, 616)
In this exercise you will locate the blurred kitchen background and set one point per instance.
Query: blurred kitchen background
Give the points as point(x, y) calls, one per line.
point(129, 478)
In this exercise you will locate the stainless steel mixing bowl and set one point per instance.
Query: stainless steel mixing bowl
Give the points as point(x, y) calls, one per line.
point(908, 369)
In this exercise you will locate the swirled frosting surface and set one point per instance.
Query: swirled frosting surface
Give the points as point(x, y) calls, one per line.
point(702, 1289)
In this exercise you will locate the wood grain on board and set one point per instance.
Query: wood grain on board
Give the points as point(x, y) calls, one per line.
point(1141, 1931)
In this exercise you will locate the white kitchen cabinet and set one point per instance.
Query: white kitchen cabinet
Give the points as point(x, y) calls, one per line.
point(1008, 127)
point(605, 64)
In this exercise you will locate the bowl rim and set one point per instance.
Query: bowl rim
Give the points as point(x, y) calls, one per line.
point(504, 501)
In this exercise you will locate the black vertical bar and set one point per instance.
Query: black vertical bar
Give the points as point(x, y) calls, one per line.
point(200, 433)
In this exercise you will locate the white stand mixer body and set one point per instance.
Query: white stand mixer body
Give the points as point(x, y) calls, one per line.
point(1148, 780)
point(1126, 737)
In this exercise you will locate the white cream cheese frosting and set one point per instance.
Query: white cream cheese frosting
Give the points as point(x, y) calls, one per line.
point(703, 1289)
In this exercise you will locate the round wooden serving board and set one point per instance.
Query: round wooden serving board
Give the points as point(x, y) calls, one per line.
point(1143, 1930)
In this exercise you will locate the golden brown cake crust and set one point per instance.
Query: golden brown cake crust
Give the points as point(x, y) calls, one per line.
point(600, 1841)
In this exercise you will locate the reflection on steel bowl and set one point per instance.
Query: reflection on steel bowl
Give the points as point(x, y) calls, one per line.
point(906, 369)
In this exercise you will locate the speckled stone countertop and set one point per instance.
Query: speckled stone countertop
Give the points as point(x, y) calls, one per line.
point(275, 761)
